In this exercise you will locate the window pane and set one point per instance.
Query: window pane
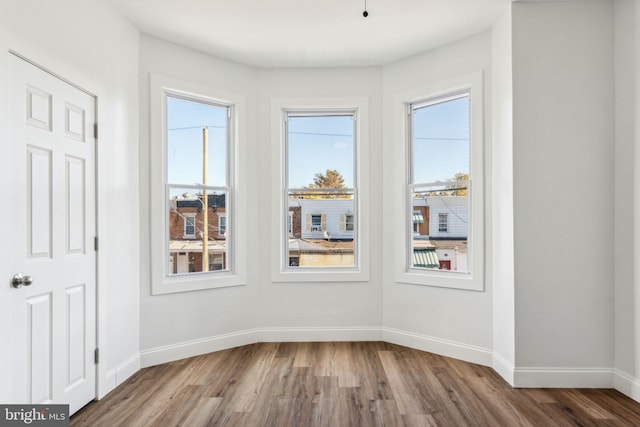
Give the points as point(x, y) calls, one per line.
point(189, 228)
point(321, 198)
point(316, 145)
point(197, 150)
point(441, 141)
point(186, 121)
point(440, 187)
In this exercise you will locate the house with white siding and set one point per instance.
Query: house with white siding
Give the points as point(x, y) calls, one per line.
point(440, 224)
point(331, 219)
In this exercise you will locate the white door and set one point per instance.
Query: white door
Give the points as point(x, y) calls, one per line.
point(183, 263)
point(53, 214)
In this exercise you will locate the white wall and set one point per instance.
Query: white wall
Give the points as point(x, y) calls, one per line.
point(449, 321)
point(88, 43)
point(355, 306)
point(502, 200)
point(563, 153)
point(560, 314)
point(635, 381)
point(182, 324)
point(625, 83)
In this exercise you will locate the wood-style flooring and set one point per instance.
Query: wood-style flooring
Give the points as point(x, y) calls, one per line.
point(343, 384)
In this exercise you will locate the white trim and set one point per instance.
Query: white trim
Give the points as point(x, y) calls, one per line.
point(504, 368)
point(475, 280)
point(237, 214)
point(279, 257)
point(457, 350)
point(626, 384)
point(116, 376)
point(364, 333)
point(541, 377)
point(182, 350)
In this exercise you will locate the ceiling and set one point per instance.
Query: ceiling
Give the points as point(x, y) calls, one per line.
point(311, 33)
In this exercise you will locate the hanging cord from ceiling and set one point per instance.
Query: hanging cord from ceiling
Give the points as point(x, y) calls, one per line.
point(365, 13)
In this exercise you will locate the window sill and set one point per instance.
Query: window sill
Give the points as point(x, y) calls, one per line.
point(441, 279)
point(197, 282)
point(315, 275)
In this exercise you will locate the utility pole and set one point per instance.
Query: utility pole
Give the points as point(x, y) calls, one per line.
point(205, 202)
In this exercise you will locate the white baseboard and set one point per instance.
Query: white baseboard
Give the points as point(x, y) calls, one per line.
point(170, 353)
point(364, 333)
point(563, 377)
point(116, 376)
point(627, 384)
point(504, 368)
point(468, 353)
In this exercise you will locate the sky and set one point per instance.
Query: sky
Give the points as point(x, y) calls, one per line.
point(315, 144)
point(185, 121)
point(441, 141)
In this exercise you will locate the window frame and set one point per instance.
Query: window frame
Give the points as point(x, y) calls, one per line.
point(236, 272)
point(281, 272)
point(473, 280)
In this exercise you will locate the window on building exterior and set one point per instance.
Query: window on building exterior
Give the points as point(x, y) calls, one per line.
point(443, 222)
point(348, 222)
point(222, 225)
point(197, 183)
point(315, 223)
point(439, 139)
point(216, 262)
point(189, 226)
point(290, 224)
point(320, 158)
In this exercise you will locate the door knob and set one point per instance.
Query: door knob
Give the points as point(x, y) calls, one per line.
point(19, 280)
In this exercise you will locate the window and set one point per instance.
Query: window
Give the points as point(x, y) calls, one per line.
point(320, 152)
point(216, 262)
point(321, 179)
point(440, 213)
point(316, 223)
point(194, 162)
point(197, 183)
point(189, 225)
point(442, 222)
point(222, 225)
point(290, 225)
point(417, 220)
point(348, 222)
point(440, 150)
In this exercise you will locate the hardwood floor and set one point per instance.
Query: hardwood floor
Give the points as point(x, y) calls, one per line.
point(343, 384)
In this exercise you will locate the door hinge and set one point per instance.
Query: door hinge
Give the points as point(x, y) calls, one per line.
point(96, 356)
point(95, 130)
point(95, 243)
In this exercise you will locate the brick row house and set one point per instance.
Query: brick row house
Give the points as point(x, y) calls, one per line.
point(186, 231)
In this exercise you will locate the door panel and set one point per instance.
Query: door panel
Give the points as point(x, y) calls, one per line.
point(39, 340)
point(53, 168)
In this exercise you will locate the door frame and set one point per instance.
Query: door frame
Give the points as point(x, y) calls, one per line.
point(100, 342)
